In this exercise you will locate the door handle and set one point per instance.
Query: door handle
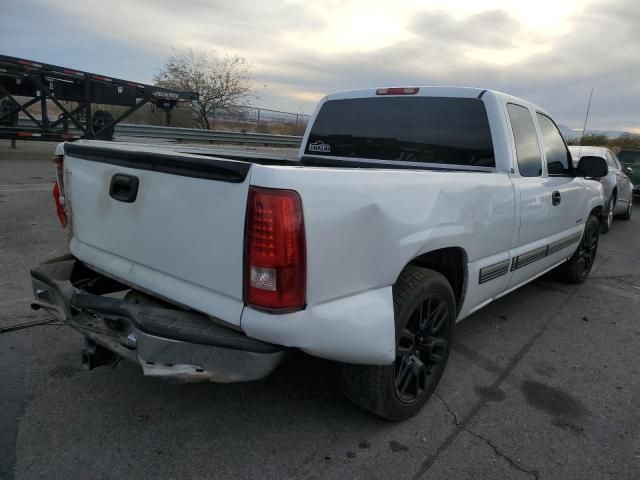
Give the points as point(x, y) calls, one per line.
point(556, 198)
point(124, 188)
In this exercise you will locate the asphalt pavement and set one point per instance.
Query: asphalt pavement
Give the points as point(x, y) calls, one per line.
point(542, 384)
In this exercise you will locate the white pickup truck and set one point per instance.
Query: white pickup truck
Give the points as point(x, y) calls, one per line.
point(407, 210)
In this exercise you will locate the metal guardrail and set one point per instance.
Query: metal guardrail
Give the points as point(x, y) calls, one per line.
point(186, 134)
point(123, 130)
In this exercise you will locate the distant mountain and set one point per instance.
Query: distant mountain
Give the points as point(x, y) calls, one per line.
point(570, 134)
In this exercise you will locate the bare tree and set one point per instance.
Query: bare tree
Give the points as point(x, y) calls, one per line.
point(222, 83)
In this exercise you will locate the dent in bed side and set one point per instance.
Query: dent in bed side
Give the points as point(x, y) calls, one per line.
point(361, 238)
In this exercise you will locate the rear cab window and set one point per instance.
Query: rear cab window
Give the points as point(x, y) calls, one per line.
point(426, 130)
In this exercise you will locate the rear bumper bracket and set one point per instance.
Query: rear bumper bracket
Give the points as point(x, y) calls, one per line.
point(163, 340)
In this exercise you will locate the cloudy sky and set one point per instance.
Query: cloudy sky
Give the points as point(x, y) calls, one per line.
point(548, 51)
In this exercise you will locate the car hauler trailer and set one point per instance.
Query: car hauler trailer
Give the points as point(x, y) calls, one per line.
point(39, 82)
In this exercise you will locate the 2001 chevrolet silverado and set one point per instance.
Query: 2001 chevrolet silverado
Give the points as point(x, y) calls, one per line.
point(407, 210)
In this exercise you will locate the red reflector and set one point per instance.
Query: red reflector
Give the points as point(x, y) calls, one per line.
point(275, 263)
point(29, 63)
point(59, 208)
point(397, 91)
point(24, 134)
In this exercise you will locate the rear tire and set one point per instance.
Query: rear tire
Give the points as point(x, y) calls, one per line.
point(425, 312)
point(577, 268)
point(608, 215)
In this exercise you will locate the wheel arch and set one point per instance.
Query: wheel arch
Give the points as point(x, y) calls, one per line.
point(597, 212)
point(451, 262)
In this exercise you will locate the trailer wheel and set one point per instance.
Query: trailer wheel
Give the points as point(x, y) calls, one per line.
point(98, 121)
point(7, 105)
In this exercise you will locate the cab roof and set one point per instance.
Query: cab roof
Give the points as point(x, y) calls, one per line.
point(433, 91)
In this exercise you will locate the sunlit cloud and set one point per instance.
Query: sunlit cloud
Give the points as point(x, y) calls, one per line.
point(506, 56)
point(351, 27)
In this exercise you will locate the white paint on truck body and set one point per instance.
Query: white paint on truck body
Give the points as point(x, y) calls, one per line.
point(362, 227)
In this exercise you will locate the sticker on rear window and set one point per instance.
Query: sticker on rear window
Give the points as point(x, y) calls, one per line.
point(319, 147)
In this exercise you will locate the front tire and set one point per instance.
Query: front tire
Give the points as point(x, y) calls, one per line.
point(425, 312)
point(577, 268)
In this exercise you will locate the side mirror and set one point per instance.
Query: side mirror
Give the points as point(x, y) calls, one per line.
point(629, 170)
point(591, 166)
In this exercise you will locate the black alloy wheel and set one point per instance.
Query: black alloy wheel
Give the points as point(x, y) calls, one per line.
point(422, 349)
point(578, 267)
point(587, 249)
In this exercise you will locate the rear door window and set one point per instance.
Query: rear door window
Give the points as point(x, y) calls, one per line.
point(526, 140)
point(450, 131)
point(555, 150)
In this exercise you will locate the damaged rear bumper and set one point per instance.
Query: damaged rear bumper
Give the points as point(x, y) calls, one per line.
point(164, 340)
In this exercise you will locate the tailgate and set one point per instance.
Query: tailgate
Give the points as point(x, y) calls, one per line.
point(180, 236)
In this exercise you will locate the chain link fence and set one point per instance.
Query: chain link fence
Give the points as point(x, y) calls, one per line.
point(260, 120)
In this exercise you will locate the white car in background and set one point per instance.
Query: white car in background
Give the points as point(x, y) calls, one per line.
point(618, 190)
